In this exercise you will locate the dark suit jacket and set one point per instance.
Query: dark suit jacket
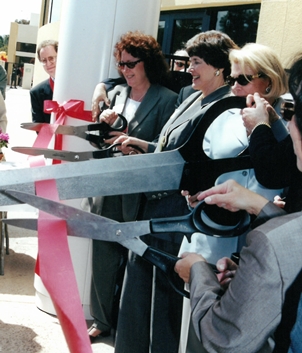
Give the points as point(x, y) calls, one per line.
point(149, 119)
point(38, 95)
point(153, 112)
point(275, 165)
point(184, 93)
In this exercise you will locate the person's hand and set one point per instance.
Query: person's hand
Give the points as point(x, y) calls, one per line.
point(99, 95)
point(192, 200)
point(114, 135)
point(278, 201)
point(183, 266)
point(108, 116)
point(227, 269)
point(233, 197)
point(257, 111)
point(125, 141)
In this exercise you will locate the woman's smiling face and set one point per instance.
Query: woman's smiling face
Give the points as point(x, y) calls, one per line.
point(135, 76)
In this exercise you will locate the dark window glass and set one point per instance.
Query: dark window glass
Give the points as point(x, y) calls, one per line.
point(177, 27)
point(161, 30)
point(241, 26)
point(26, 47)
point(183, 30)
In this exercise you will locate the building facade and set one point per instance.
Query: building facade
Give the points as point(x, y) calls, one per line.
point(276, 23)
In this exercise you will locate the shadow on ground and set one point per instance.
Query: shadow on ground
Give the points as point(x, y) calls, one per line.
point(17, 338)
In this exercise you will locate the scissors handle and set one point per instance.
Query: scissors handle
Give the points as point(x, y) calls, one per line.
point(166, 262)
point(111, 151)
point(104, 129)
point(237, 223)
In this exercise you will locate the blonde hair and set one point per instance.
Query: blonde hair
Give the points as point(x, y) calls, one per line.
point(262, 59)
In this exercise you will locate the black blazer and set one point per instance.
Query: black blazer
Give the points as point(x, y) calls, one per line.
point(38, 95)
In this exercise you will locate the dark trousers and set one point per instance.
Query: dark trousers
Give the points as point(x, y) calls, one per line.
point(107, 276)
point(108, 266)
point(150, 311)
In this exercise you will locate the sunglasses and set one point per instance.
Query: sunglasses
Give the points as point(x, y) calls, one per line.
point(243, 80)
point(130, 65)
point(287, 110)
point(179, 64)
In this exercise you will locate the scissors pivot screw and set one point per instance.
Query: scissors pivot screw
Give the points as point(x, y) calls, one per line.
point(76, 157)
point(118, 232)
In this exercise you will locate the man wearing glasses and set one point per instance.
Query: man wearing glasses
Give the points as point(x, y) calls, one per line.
point(47, 55)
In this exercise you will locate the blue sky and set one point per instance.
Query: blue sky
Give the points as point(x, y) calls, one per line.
point(12, 10)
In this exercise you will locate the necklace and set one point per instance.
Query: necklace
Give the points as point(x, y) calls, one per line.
point(137, 100)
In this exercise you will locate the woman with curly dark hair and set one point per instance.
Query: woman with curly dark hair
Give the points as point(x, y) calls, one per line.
point(146, 48)
point(147, 105)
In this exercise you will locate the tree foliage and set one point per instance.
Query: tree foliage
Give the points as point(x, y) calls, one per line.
point(22, 22)
point(4, 43)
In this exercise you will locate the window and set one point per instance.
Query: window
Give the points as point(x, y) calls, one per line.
point(176, 27)
point(26, 47)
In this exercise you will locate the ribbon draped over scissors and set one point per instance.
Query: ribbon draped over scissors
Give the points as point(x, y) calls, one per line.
point(73, 108)
point(54, 265)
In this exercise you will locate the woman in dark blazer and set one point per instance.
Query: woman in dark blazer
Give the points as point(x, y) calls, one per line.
point(151, 311)
point(147, 105)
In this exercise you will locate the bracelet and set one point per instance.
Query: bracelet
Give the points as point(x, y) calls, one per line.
point(261, 123)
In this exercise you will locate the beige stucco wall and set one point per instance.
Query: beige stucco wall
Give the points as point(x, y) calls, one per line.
point(280, 27)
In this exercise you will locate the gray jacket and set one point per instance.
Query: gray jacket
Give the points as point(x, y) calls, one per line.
point(244, 318)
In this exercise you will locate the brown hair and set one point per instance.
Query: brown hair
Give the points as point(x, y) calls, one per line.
point(145, 48)
point(213, 47)
point(46, 43)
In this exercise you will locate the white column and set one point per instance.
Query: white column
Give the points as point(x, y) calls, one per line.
point(89, 30)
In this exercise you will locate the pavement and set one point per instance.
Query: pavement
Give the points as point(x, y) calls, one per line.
point(23, 327)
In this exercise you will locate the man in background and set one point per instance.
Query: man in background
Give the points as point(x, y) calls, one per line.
point(47, 55)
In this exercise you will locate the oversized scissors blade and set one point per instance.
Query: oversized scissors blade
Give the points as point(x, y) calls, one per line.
point(33, 126)
point(109, 176)
point(185, 168)
point(55, 154)
point(79, 131)
point(78, 222)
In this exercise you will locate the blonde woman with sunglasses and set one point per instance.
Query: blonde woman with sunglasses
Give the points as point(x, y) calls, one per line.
point(254, 68)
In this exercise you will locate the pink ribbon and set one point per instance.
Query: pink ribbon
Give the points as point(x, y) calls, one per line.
point(54, 265)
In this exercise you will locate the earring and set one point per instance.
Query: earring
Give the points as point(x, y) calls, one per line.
point(268, 89)
point(217, 73)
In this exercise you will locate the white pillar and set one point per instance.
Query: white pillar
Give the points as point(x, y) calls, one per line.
point(89, 30)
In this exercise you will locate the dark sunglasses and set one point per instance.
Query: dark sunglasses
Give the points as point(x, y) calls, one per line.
point(243, 80)
point(287, 110)
point(179, 64)
point(130, 65)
